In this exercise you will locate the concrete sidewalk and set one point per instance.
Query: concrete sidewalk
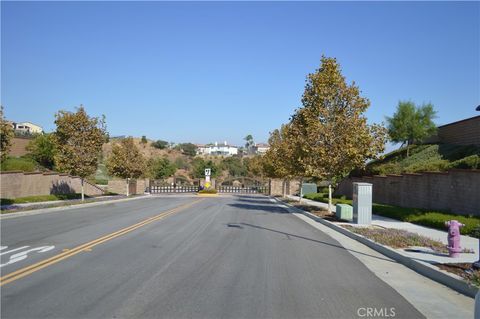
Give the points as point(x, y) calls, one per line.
point(422, 254)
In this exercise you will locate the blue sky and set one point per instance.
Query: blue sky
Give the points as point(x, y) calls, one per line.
point(214, 71)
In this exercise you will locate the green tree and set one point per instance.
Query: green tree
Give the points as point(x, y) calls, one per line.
point(160, 144)
point(411, 124)
point(284, 157)
point(126, 161)
point(6, 135)
point(199, 165)
point(78, 140)
point(234, 166)
point(249, 143)
point(144, 141)
point(330, 132)
point(42, 150)
point(254, 166)
point(160, 168)
point(181, 163)
point(188, 149)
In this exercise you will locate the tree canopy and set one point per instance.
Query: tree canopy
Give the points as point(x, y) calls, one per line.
point(126, 161)
point(411, 124)
point(188, 149)
point(160, 144)
point(234, 165)
point(78, 141)
point(42, 149)
point(6, 135)
point(160, 168)
point(328, 136)
point(249, 143)
point(199, 165)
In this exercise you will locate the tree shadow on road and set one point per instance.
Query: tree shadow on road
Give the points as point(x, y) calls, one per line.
point(255, 201)
point(316, 241)
point(265, 208)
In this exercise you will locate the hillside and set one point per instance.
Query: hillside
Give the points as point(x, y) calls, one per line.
point(147, 150)
point(430, 157)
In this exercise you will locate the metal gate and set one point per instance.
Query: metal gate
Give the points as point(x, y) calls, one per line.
point(154, 189)
point(243, 190)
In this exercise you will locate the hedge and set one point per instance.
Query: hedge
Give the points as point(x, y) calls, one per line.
point(433, 219)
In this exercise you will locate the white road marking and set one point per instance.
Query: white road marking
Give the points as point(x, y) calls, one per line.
point(23, 255)
point(11, 251)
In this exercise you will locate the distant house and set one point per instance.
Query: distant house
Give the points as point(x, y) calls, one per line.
point(216, 149)
point(28, 128)
point(261, 148)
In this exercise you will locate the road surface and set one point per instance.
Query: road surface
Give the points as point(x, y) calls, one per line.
point(184, 257)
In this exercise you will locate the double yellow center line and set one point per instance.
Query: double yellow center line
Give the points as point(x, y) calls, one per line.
point(20, 273)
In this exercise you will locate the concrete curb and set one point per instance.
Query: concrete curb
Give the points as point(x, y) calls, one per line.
point(68, 207)
point(450, 280)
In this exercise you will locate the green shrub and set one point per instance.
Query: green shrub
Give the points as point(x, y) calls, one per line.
point(439, 165)
point(25, 164)
point(469, 162)
point(314, 196)
point(6, 201)
point(412, 215)
point(208, 191)
point(100, 181)
point(40, 198)
point(432, 157)
point(427, 218)
point(323, 198)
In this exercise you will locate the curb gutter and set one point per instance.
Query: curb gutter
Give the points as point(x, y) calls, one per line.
point(450, 280)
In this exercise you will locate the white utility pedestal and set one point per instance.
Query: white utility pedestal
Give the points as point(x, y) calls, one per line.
point(362, 203)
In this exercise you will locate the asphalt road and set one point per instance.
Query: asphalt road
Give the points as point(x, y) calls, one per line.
point(224, 257)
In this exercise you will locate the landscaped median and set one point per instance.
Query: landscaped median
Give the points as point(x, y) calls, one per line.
point(208, 192)
point(420, 253)
point(433, 219)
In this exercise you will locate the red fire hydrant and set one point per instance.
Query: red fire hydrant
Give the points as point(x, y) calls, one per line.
point(454, 248)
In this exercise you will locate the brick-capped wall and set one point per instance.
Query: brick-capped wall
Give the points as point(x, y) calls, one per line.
point(19, 184)
point(457, 191)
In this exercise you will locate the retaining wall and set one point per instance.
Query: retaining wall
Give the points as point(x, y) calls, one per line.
point(19, 184)
point(457, 191)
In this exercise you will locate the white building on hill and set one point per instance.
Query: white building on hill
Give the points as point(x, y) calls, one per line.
point(216, 149)
point(28, 127)
point(261, 148)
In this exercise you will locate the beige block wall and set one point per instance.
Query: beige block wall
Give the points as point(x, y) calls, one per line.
point(457, 191)
point(277, 187)
point(119, 186)
point(464, 132)
point(19, 184)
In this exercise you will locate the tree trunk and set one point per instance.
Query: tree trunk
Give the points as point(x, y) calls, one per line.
point(301, 191)
point(128, 187)
point(408, 148)
point(329, 198)
point(83, 192)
